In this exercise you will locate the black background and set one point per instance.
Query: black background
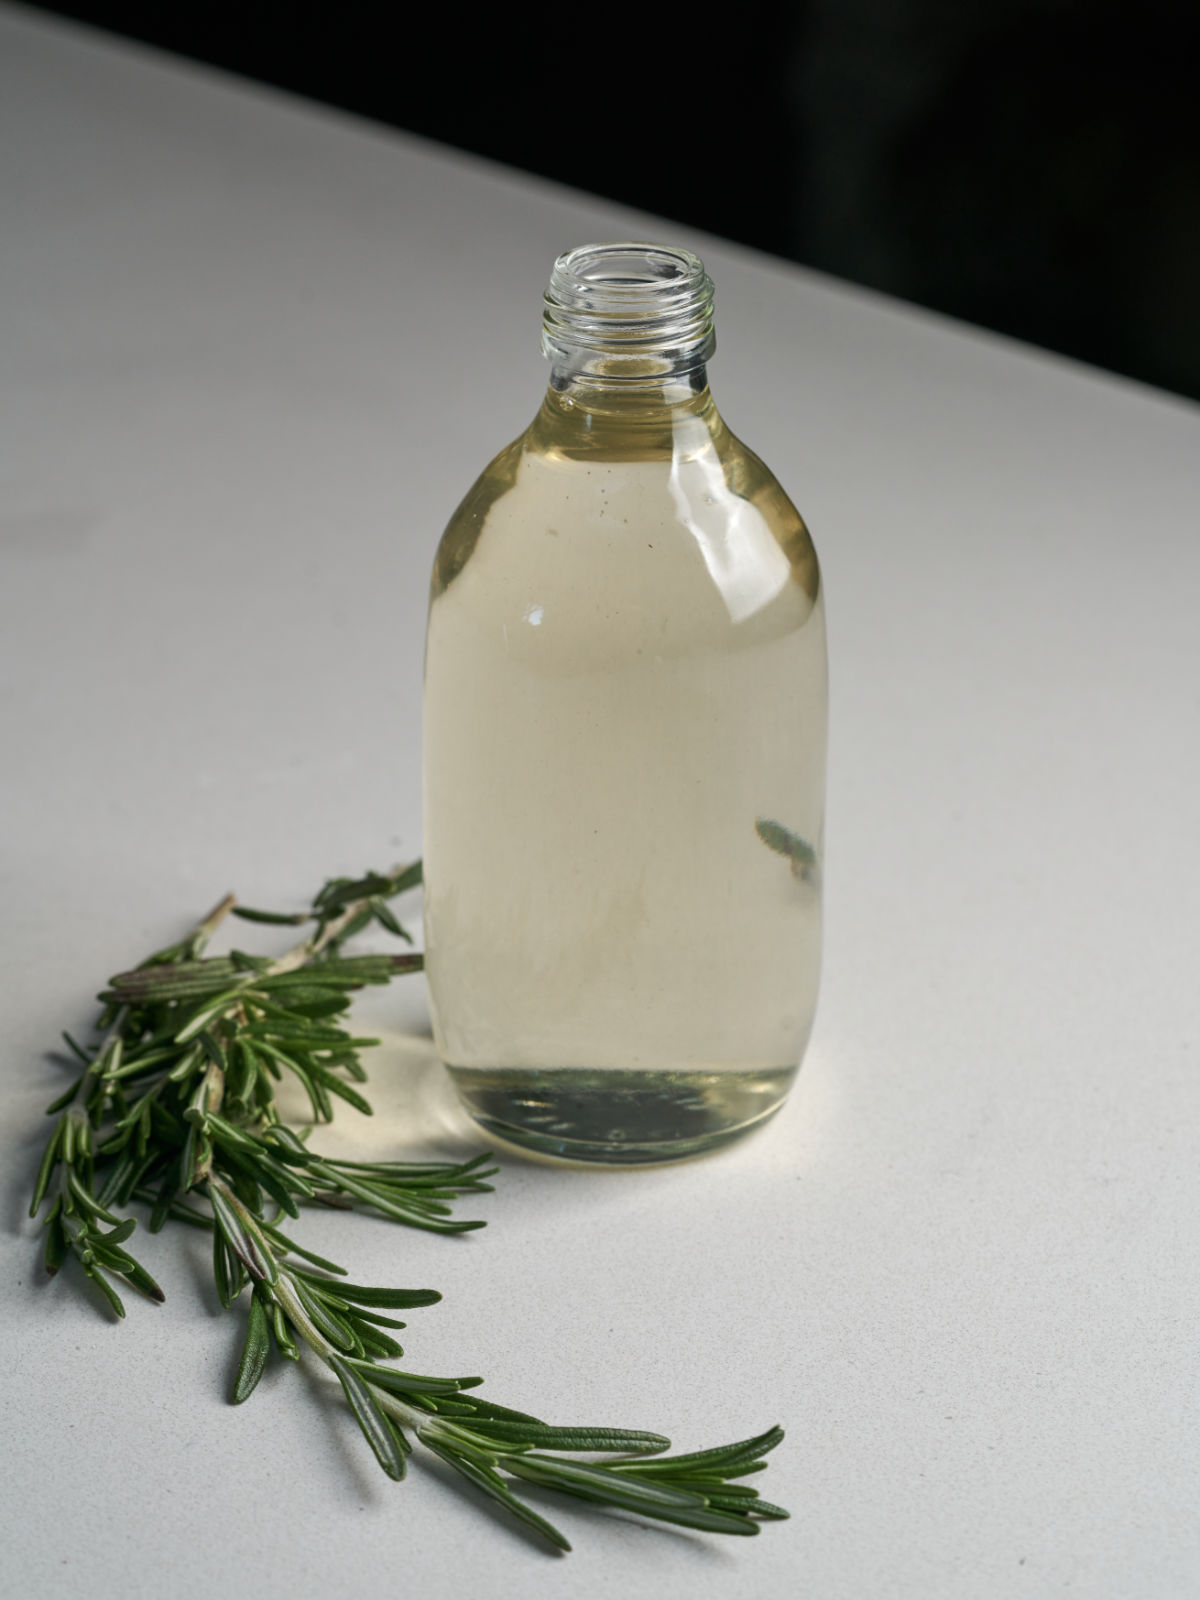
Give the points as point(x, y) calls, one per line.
point(1029, 165)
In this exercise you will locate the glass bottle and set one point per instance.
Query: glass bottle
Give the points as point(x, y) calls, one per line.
point(624, 747)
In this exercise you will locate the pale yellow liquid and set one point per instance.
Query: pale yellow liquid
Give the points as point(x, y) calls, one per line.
point(625, 672)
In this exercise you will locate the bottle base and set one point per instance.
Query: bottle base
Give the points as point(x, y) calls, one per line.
point(619, 1118)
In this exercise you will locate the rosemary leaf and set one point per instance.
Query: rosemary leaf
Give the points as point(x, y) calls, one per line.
point(370, 1419)
point(255, 1350)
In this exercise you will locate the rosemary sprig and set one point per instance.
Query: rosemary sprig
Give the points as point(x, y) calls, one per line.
point(175, 1107)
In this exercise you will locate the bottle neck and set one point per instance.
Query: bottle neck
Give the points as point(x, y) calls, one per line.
point(589, 400)
point(628, 328)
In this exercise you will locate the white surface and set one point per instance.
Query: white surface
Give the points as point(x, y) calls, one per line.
point(252, 354)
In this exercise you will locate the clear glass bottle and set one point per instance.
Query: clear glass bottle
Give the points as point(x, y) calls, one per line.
point(624, 764)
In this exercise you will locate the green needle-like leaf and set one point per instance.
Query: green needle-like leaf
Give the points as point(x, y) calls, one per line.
point(493, 1485)
point(394, 1299)
point(64, 1099)
point(370, 1418)
point(591, 1439)
point(255, 1350)
point(743, 1455)
point(106, 1288)
point(406, 1383)
point(57, 1246)
point(282, 918)
point(651, 1500)
point(46, 1170)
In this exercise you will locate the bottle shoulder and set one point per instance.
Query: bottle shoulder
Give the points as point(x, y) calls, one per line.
point(572, 565)
point(750, 478)
point(696, 483)
point(462, 532)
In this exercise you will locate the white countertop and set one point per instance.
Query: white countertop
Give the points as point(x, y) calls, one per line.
point(252, 354)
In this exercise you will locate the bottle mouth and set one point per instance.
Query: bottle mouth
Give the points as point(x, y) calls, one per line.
point(628, 311)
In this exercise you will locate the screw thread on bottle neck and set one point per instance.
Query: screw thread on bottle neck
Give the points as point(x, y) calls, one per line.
point(628, 314)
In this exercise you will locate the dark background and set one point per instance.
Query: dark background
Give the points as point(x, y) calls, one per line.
point(1029, 165)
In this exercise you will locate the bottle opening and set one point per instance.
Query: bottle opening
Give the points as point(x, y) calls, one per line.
point(628, 312)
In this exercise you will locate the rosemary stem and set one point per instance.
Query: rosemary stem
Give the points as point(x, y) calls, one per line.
point(293, 1309)
point(315, 943)
point(419, 1421)
point(209, 924)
